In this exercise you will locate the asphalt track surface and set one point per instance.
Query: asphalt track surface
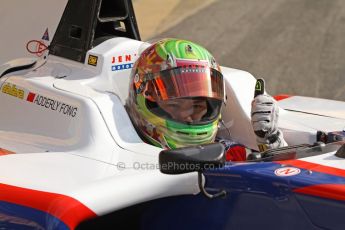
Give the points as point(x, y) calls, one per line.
point(297, 46)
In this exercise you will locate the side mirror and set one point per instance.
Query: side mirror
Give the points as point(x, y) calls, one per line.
point(194, 159)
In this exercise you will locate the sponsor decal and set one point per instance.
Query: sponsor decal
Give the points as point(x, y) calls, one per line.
point(52, 104)
point(11, 89)
point(37, 47)
point(92, 60)
point(122, 62)
point(43, 101)
point(287, 171)
point(121, 67)
point(45, 35)
point(31, 97)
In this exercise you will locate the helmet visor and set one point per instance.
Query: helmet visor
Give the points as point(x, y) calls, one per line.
point(196, 110)
point(192, 81)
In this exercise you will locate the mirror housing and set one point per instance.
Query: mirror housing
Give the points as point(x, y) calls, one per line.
point(192, 159)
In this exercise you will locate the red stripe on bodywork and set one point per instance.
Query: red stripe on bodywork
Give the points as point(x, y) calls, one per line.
point(314, 167)
point(281, 97)
point(5, 152)
point(330, 191)
point(67, 209)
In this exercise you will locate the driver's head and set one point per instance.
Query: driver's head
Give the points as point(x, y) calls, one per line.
point(176, 94)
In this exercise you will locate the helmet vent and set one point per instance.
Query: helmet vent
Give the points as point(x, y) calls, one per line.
point(204, 133)
point(184, 133)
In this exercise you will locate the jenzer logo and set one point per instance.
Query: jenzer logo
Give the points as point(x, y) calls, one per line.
point(51, 104)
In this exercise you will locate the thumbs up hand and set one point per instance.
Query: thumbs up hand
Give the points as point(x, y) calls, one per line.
point(264, 114)
point(264, 117)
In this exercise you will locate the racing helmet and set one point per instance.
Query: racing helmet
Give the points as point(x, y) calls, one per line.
point(175, 72)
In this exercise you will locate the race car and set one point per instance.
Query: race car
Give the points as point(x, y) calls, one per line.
point(70, 157)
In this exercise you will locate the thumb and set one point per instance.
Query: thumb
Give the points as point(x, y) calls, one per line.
point(259, 87)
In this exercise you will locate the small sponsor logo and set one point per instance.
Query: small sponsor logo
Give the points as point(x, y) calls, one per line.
point(136, 78)
point(11, 89)
point(122, 62)
point(31, 97)
point(51, 104)
point(92, 60)
point(46, 35)
point(39, 47)
point(189, 49)
point(287, 171)
point(121, 67)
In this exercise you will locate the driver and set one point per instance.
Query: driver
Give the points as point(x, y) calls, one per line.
point(176, 96)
